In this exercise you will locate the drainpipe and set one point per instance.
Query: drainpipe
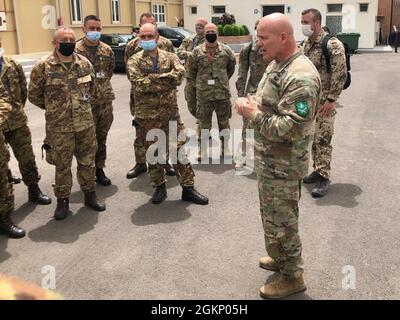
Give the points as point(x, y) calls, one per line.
point(16, 18)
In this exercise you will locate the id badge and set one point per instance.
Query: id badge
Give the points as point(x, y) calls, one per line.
point(211, 82)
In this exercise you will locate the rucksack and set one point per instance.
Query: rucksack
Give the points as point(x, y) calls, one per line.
point(325, 52)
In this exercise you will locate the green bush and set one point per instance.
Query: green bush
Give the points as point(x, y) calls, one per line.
point(220, 29)
point(228, 30)
point(246, 30)
point(242, 31)
point(235, 30)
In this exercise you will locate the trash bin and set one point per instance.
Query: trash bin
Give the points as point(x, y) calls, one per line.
point(351, 39)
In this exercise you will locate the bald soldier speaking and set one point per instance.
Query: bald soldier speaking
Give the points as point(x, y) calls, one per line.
point(282, 113)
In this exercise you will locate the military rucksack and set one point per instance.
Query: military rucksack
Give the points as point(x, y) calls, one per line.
point(326, 53)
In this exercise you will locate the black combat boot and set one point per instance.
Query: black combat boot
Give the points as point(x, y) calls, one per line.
point(15, 180)
point(169, 170)
point(160, 194)
point(36, 195)
point(101, 177)
point(321, 189)
point(137, 170)
point(62, 209)
point(190, 194)
point(92, 201)
point(313, 177)
point(8, 227)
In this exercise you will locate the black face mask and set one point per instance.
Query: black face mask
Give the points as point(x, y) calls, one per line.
point(211, 37)
point(67, 48)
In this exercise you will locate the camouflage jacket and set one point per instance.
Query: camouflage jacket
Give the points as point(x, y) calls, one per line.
point(288, 97)
point(14, 83)
point(65, 94)
point(155, 86)
point(103, 64)
point(188, 45)
point(209, 80)
point(134, 47)
point(5, 109)
point(250, 60)
point(332, 83)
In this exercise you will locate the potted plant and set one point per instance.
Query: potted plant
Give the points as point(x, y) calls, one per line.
point(231, 33)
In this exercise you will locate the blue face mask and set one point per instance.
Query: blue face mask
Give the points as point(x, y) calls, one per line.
point(149, 45)
point(93, 35)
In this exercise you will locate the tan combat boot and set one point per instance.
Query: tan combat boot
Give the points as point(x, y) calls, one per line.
point(268, 263)
point(281, 288)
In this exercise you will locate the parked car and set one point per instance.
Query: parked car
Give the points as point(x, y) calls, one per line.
point(175, 34)
point(118, 43)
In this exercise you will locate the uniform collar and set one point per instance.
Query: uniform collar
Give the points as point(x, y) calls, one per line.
point(54, 60)
point(219, 47)
point(319, 37)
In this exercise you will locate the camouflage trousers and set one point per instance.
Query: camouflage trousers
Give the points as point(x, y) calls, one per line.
point(64, 146)
point(20, 141)
point(103, 118)
point(280, 214)
point(6, 189)
point(223, 110)
point(140, 140)
point(322, 147)
point(184, 172)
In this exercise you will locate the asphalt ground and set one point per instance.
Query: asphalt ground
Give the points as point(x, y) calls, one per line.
point(176, 250)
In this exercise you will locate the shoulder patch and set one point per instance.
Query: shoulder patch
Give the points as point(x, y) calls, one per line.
point(302, 108)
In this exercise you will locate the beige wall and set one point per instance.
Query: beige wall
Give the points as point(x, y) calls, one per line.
point(26, 34)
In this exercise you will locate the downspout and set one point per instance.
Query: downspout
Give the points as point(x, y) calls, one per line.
point(16, 18)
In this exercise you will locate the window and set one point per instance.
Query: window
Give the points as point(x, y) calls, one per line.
point(76, 11)
point(218, 9)
point(335, 8)
point(334, 23)
point(193, 10)
point(159, 13)
point(115, 11)
point(363, 7)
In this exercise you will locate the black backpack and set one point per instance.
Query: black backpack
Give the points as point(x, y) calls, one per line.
point(326, 54)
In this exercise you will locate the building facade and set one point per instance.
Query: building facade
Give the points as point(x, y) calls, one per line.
point(339, 15)
point(28, 26)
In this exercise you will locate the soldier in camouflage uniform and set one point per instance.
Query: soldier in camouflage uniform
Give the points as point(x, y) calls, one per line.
point(332, 86)
point(102, 58)
point(251, 69)
point(7, 226)
point(208, 70)
point(16, 130)
point(62, 84)
point(17, 289)
point(132, 48)
point(189, 43)
point(154, 75)
point(283, 116)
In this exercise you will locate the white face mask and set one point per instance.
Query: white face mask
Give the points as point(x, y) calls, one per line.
point(255, 35)
point(307, 31)
point(1, 52)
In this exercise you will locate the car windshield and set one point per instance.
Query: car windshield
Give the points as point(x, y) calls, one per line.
point(185, 32)
point(126, 37)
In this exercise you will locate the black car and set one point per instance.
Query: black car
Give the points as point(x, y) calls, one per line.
point(175, 34)
point(118, 43)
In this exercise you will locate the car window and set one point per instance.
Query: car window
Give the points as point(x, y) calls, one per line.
point(106, 40)
point(116, 40)
point(170, 34)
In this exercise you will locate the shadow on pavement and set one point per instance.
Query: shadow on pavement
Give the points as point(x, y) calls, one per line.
point(23, 211)
point(101, 191)
point(214, 168)
point(4, 255)
point(68, 230)
point(166, 212)
point(339, 194)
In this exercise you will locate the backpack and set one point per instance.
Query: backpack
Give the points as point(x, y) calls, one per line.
point(325, 52)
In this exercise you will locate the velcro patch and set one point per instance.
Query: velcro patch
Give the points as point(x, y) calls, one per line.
point(302, 108)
